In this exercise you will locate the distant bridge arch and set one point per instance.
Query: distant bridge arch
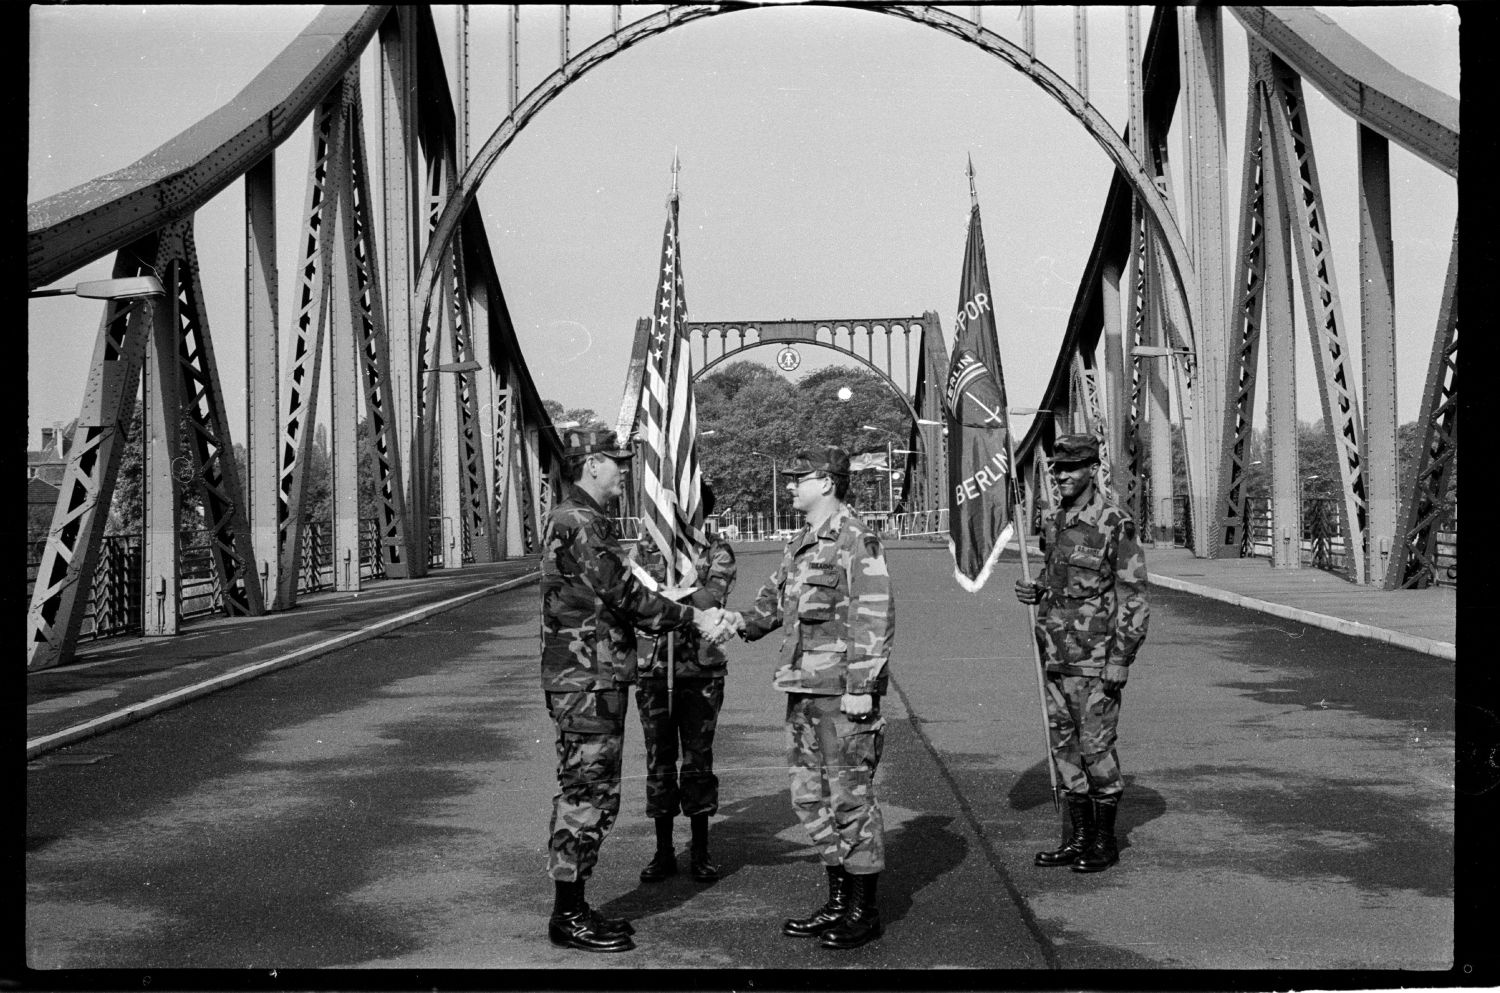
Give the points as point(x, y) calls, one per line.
point(924, 477)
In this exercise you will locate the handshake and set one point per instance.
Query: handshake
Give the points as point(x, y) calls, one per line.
point(716, 624)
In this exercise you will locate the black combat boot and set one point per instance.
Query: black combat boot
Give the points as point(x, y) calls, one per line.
point(828, 915)
point(703, 870)
point(862, 922)
point(1081, 813)
point(664, 862)
point(1102, 853)
point(574, 925)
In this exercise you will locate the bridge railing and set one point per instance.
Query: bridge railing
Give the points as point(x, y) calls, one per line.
point(116, 595)
point(1321, 543)
point(920, 523)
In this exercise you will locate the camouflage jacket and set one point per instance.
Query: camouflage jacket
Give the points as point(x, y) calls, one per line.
point(1093, 608)
point(591, 602)
point(833, 592)
point(691, 655)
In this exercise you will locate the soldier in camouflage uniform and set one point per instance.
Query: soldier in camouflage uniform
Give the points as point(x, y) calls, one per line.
point(698, 667)
point(1090, 622)
point(832, 595)
point(591, 607)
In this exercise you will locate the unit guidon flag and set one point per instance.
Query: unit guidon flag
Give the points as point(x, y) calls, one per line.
point(979, 468)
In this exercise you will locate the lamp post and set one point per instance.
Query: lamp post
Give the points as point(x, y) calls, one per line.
point(774, 515)
point(890, 486)
point(124, 288)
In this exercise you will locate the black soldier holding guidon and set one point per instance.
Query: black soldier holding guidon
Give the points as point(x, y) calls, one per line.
point(1091, 616)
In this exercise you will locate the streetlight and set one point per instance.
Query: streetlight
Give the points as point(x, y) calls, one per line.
point(890, 464)
point(774, 514)
point(124, 288)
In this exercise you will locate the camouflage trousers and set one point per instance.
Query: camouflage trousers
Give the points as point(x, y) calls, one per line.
point(687, 731)
point(1082, 717)
point(590, 740)
point(832, 760)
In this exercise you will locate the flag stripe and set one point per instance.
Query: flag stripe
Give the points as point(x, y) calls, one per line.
point(671, 476)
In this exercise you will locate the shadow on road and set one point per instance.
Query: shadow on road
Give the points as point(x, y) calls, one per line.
point(1140, 804)
point(752, 835)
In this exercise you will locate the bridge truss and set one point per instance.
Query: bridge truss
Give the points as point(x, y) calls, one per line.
point(422, 343)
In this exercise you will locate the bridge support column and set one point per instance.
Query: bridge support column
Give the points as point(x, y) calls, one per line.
point(1377, 305)
point(344, 388)
point(487, 398)
point(1278, 325)
point(1202, 71)
point(161, 493)
point(1117, 388)
point(262, 370)
point(451, 506)
point(398, 117)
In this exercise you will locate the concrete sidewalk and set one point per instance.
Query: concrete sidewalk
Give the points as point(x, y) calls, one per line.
point(119, 680)
point(1421, 620)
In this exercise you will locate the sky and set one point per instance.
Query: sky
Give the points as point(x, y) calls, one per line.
point(823, 155)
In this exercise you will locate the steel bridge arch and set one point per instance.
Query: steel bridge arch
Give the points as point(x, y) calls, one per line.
point(1113, 144)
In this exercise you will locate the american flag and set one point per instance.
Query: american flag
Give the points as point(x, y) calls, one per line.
point(672, 510)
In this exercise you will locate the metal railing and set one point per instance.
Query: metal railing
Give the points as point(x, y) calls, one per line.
point(116, 594)
point(113, 603)
point(1321, 543)
point(920, 523)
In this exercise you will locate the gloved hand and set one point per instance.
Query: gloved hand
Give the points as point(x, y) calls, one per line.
point(1029, 593)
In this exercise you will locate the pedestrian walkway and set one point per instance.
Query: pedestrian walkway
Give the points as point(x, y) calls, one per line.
point(1420, 620)
point(119, 680)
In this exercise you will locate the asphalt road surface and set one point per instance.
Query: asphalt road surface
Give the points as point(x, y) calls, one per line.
point(1289, 805)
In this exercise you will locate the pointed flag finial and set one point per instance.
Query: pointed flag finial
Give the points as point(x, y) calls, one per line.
point(973, 193)
point(676, 168)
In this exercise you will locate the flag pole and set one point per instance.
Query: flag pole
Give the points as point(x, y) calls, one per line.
point(671, 553)
point(1020, 519)
point(1036, 652)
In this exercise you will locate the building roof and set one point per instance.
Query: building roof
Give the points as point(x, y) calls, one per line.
point(40, 491)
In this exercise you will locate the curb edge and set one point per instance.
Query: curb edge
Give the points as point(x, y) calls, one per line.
point(166, 701)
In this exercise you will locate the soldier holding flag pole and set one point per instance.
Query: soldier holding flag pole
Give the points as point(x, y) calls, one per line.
point(981, 449)
point(682, 687)
point(1089, 611)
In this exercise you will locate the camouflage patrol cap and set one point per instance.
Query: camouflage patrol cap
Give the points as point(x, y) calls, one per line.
point(830, 460)
point(1074, 449)
point(581, 444)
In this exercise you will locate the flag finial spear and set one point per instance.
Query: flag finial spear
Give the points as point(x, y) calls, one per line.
point(973, 194)
point(676, 168)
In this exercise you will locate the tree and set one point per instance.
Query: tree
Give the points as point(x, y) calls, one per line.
point(581, 418)
point(751, 408)
point(126, 507)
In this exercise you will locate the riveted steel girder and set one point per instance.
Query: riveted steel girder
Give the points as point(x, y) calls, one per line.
point(300, 392)
point(262, 371)
point(1426, 505)
point(393, 524)
point(212, 450)
point(57, 600)
point(1377, 352)
point(1301, 193)
point(1418, 117)
point(1244, 353)
point(71, 229)
point(474, 511)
